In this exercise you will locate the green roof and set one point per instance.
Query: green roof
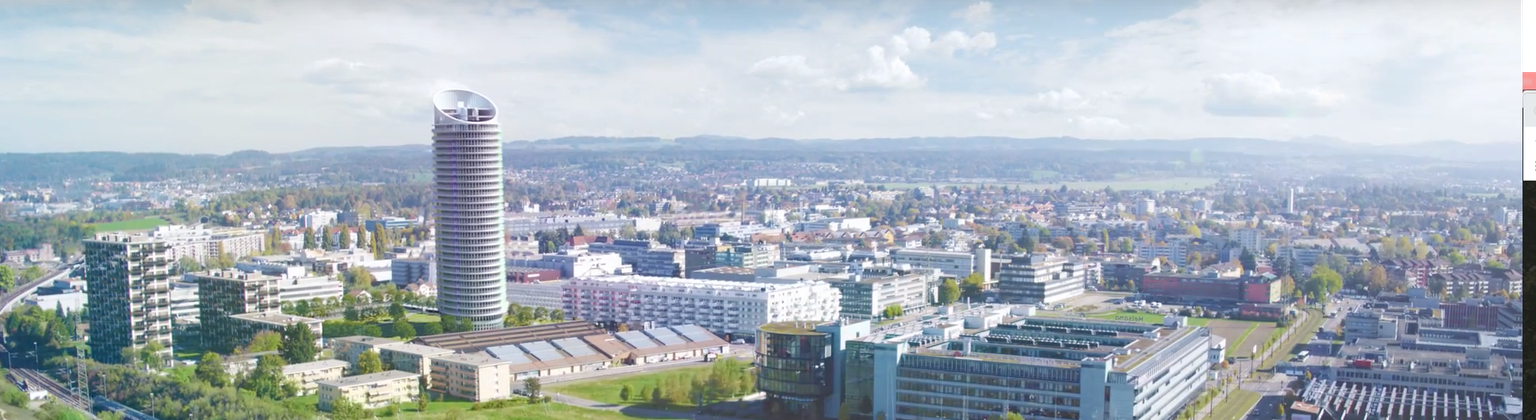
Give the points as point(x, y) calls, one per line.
point(791, 328)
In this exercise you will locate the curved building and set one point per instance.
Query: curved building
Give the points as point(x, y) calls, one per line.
point(471, 261)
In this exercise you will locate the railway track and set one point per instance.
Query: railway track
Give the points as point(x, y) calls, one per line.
point(32, 380)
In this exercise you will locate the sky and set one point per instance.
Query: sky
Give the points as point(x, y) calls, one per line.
point(216, 76)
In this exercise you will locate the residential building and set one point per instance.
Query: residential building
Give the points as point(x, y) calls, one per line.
point(475, 377)
point(1176, 250)
point(128, 287)
point(838, 224)
point(732, 229)
point(1415, 272)
point(307, 375)
point(719, 306)
point(246, 326)
point(317, 219)
point(372, 391)
point(648, 258)
point(389, 223)
point(471, 254)
point(413, 358)
point(223, 294)
point(1251, 240)
point(544, 294)
point(349, 348)
point(1041, 278)
point(200, 243)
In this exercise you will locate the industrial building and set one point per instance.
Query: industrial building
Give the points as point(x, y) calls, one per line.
point(1263, 288)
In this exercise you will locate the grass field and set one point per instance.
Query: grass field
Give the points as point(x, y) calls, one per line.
point(1148, 318)
point(1314, 319)
point(606, 390)
point(462, 410)
point(1169, 184)
point(1240, 346)
point(1239, 334)
point(1235, 406)
point(146, 223)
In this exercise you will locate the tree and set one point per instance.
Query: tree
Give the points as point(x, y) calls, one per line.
point(298, 344)
point(344, 409)
point(150, 355)
point(211, 369)
point(845, 411)
point(7, 278)
point(1248, 261)
point(623, 327)
point(1377, 280)
point(1323, 282)
point(267, 379)
point(533, 387)
point(108, 415)
point(1494, 264)
point(1013, 416)
point(1437, 285)
point(396, 310)
point(369, 362)
point(421, 400)
point(556, 315)
point(893, 311)
point(973, 287)
point(429, 328)
point(343, 237)
point(625, 392)
point(949, 292)
point(30, 273)
point(403, 329)
point(265, 341)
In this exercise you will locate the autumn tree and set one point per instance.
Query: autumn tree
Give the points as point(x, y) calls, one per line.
point(949, 292)
point(369, 362)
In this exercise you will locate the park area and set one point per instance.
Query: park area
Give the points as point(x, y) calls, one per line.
point(607, 389)
point(146, 223)
point(1241, 335)
point(463, 410)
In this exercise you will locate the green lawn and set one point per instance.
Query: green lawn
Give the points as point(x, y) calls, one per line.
point(606, 390)
point(182, 373)
point(1314, 320)
point(1146, 318)
point(146, 223)
point(441, 409)
point(1244, 336)
point(1235, 406)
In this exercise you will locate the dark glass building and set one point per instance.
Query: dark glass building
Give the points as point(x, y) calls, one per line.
point(794, 362)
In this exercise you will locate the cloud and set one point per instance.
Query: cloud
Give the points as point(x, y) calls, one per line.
point(780, 116)
point(1255, 94)
point(1062, 100)
point(978, 13)
point(789, 70)
point(918, 40)
point(1097, 124)
point(883, 71)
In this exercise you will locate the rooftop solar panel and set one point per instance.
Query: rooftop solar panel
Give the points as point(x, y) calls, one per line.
point(636, 339)
point(668, 339)
point(509, 353)
point(694, 333)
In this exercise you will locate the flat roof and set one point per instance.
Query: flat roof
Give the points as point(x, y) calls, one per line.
point(474, 359)
point(372, 378)
point(792, 328)
point(474, 341)
point(315, 365)
point(418, 349)
point(275, 318)
point(368, 340)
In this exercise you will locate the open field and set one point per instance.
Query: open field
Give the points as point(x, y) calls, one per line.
point(1235, 406)
point(1168, 184)
point(1236, 332)
point(1314, 319)
point(1241, 335)
point(146, 223)
point(606, 389)
point(1147, 318)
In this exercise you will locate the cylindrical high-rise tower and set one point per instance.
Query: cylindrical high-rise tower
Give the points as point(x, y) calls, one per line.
point(471, 259)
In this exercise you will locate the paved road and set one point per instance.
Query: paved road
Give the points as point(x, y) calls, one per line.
point(10, 300)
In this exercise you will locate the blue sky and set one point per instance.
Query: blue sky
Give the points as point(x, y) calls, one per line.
point(216, 76)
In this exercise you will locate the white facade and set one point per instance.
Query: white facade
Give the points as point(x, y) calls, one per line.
point(719, 306)
point(576, 263)
point(958, 264)
point(1250, 239)
point(293, 289)
point(471, 254)
point(317, 219)
point(1041, 278)
point(199, 243)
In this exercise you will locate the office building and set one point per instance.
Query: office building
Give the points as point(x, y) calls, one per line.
point(718, 306)
point(372, 391)
point(1370, 324)
point(519, 274)
point(224, 294)
point(317, 219)
point(866, 292)
point(308, 375)
point(1251, 240)
point(467, 170)
point(856, 224)
point(957, 264)
point(1433, 361)
point(1264, 288)
point(388, 223)
point(473, 377)
point(308, 288)
point(405, 271)
point(1041, 278)
point(549, 350)
point(732, 229)
point(129, 290)
point(747, 256)
point(66, 294)
point(647, 258)
point(573, 263)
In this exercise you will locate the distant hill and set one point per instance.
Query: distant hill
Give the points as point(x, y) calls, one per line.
point(1313, 146)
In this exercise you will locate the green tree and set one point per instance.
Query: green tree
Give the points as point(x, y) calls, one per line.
point(265, 341)
point(267, 379)
point(396, 310)
point(30, 273)
point(533, 387)
point(211, 369)
point(403, 329)
point(556, 315)
point(150, 355)
point(893, 311)
point(949, 292)
point(1323, 282)
point(1494, 264)
point(1377, 280)
point(298, 345)
point(973, 287)
point(343, 237)
point(429, 328)
point(7, 278)
point(625, 392)
point(369, 362)
point(108, 415)
point(1248, 262)
point(1013, 416)
point(344, 409)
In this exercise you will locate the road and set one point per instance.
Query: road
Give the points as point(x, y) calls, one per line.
point(9, 300)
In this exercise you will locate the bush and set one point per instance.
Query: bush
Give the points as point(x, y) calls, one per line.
point(493, 404)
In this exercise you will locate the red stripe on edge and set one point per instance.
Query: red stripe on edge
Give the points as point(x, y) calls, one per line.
point(1528, 81)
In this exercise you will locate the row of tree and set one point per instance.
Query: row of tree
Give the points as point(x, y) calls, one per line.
point(727, 378)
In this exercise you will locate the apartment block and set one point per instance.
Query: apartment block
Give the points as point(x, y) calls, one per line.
point(129, 290)
point(374, 390)
point(348, 348)
point(475, 377)
point(307, 375)
point(1041, 278)
point(308, 288)
point(868, 291)
point(413, 358)
point(246, 326)
point(224, 294)
point(718, 306)
point(747, 256)
point(648, 258)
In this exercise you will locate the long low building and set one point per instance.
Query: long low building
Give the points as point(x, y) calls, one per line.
point(571, 347)
point(307, 375)
point(724, 307)
point(1263, 288)
point(372, 391)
